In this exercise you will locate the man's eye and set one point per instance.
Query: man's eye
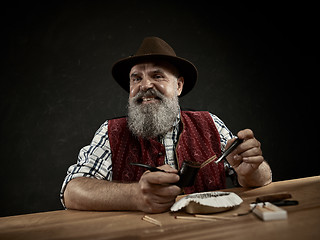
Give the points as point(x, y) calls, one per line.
point(135, 79)
point(158, 76)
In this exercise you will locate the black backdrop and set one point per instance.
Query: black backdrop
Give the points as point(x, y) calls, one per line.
point(255, 71)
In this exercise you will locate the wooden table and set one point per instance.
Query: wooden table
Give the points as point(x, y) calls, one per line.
point(303, 220)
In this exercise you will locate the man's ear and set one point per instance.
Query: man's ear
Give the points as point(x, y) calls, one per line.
point(180, 82)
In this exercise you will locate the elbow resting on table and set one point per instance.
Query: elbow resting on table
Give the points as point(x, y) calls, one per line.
point(69, 196)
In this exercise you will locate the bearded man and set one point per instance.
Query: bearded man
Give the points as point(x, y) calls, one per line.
point(156, 132)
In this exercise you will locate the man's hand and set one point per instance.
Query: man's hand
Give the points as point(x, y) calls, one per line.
point(156, 191)
point(248, 162)
point(247, 157)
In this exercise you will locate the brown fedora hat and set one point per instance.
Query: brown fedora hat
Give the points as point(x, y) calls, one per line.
point(155, 49)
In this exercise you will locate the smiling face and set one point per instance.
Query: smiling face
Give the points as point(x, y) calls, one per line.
point(160, 76)
point(153, 103)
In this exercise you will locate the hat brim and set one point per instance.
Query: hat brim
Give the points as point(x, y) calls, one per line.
point(122, 68)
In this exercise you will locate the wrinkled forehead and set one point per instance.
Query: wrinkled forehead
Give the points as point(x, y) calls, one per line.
point(162, 66)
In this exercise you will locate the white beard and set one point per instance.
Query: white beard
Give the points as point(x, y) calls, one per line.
point(151, 120)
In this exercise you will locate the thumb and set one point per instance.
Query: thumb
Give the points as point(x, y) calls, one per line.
point(230, 157)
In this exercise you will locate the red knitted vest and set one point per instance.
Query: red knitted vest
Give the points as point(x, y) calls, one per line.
point(198, 141)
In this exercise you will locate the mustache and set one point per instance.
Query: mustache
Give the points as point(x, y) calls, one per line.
point(149, 93)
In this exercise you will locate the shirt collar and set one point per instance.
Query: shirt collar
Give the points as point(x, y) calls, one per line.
point(177, 121)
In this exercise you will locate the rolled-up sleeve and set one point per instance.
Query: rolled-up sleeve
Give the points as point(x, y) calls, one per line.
point(224, 132)
point(225, 135)
point(94, 160)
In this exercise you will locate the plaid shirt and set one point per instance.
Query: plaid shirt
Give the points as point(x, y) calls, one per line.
point(95, 160)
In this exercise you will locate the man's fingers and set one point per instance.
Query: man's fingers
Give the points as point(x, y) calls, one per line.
point(245, 134)
point(158, 191)
point(254, 162)
point(168, 191)
point(247, 145)
point(161, 178)
point(155, 207)
point(161, 199)
point(168, 169)
point(255, 151)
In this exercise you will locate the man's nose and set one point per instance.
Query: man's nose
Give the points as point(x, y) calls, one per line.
point(146, 84)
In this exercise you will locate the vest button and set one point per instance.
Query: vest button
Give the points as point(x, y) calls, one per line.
point(160, 153)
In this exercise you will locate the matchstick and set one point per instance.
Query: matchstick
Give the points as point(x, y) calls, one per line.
point(151, 220)
point(214, 217)
point(196, 218)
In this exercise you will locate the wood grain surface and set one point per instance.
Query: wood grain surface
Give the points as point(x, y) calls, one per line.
point(303, 220)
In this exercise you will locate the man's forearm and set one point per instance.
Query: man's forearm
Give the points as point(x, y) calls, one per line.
point(261, 177)
point(100, 195)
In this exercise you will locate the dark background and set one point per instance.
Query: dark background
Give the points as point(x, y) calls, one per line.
point(256, 70)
